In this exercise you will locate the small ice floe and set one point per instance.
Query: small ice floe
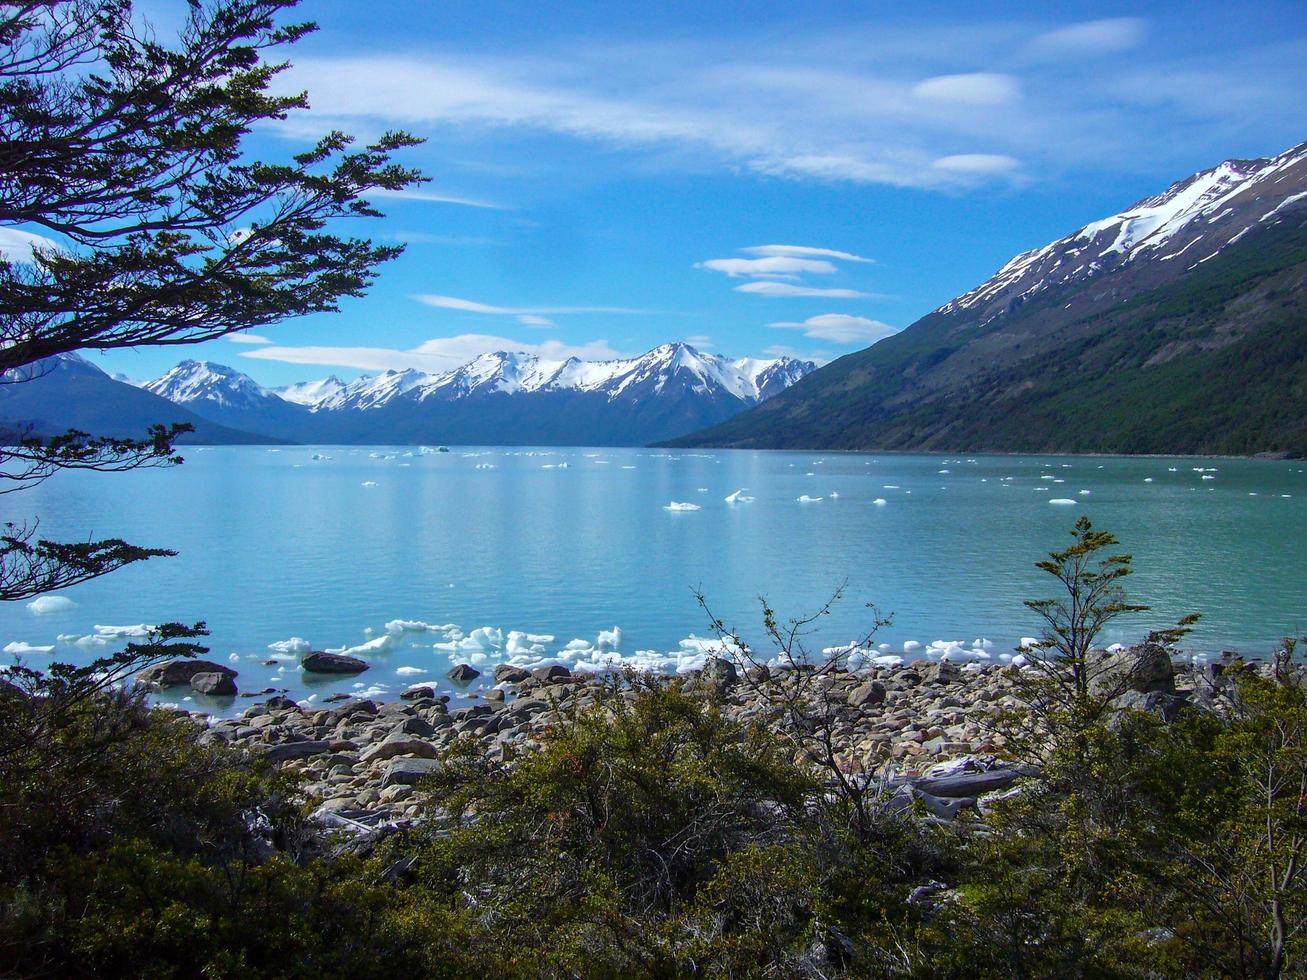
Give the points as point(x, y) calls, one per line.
point(234, 657)
point(119, 632)
point(1062, 502)
point(1208, 476)
point(1116, 648)
point(369, 483)
point(579, 644)
point(413, 626)
point(296, 644)
point(890, 486)
point(379, 645)
point(320, 456)
point(834, 495)
point(91, 642)
point(46, 604)
point(484, 466)
point(912, 646)
point(609, 639)
point(880, 501)
point(680, 505)
point(702, 490)
point(628, 467)
point(410, 671)
point(805, 499)
point(738, 497)
point(1148, 479)
point(554, 466)
point(1084, 493)
point(1028, 643)
point(20, 647)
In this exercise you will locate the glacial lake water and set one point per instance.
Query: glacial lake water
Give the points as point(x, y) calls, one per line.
point(330, 544)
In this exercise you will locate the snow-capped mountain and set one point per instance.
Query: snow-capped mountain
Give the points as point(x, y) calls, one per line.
point(1178, 325)
point(497, 397)
point(310, 392)
point(1189, 223)
point(204, 381)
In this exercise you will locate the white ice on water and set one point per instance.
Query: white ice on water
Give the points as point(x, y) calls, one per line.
point(678, 505)
point(738, 497)
point(20, 647)
point(43, 605)
point(296, 644)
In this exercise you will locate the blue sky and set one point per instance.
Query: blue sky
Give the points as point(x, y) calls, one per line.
point(607, 177)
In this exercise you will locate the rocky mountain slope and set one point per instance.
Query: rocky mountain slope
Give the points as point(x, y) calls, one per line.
point(1176, 326)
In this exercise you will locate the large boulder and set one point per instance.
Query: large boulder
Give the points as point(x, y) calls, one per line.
point(399, 743)
point(511, 674)
point(296, 750)
point(1144, 668)
point(867, 694)
point(464, 674)
point(214, 684)
point(408, 772)
point(176, 673)
point(551, 674)
point(718, 676)
point(318, 662)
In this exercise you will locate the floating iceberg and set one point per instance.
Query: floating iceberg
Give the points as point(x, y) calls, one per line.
point(880, 501)
point(1062, 502)
point(407, 671)
point(609, 639)
point(118, 632)
point(19, 647)
point(42, 605)
point(678, 505)
point(369, 483)
point(738, 497)
point(805, 499)
point(296, 644)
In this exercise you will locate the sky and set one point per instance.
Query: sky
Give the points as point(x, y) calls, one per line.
point(754, 178)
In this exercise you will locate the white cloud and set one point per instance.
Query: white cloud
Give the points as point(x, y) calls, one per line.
point(1104, 36)
point(764, 288)
point(531, 320)
point(521, 312)
point(17, 246)
point(430, 197)
point(805, 251)
point(840, 328)
point(978, 163)
point(699, 341)
point(979, 88)
point(437, 354)
point(785, 267)
point(247, 338)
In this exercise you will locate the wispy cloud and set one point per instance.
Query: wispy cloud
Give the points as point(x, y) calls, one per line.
point(979, 88)
point(766, 288)
point(435, 355)
point(805, 251)
point(431, 197)
point(840, 328)
point(877, 101)
point(1107, 36)
point(782, 266)
point(247, 338)
point(531, 316)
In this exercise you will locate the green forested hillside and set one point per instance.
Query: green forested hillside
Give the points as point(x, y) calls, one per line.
point(1212, 362)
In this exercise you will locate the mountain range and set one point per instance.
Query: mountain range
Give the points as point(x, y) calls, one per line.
point(1176, 326)
point(497, 398)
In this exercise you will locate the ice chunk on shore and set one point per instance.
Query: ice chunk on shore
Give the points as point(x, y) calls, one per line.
point(20, 647)
point(45, 604)
point(678, 505)
point(296, 644)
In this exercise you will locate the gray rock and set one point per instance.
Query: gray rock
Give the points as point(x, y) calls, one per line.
point(296, 750)
point(1165, 706)
point(418, 693)
point(718, 676)
point(214, 684)
point(865, 695)
point(464, 674)
point(551, 674)
point(176, 673)
point(1144, 668)
point(407, 772)
point(971, 784)
point(399, 744)
point(318, 662)
point(511, 674)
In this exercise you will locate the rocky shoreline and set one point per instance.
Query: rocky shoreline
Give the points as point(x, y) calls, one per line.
point(361, 760)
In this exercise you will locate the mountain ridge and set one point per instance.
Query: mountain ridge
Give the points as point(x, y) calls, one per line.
point(1100, 341)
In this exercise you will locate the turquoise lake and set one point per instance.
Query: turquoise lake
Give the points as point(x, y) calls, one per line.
point(329, 543)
